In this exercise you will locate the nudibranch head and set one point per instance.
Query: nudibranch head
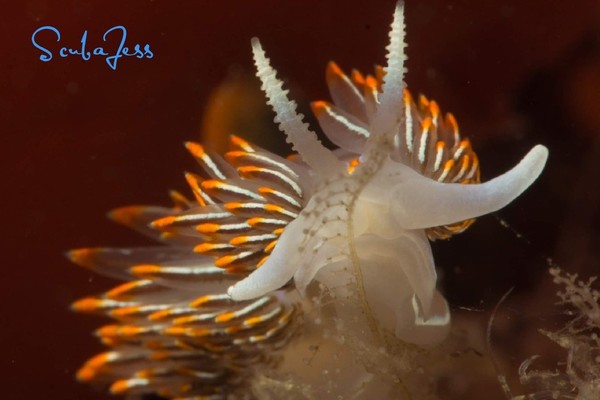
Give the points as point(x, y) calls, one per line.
point(198, 315)
point(401, 173)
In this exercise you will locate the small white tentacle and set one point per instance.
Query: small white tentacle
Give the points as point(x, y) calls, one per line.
point(277, 270)
point(419, 202)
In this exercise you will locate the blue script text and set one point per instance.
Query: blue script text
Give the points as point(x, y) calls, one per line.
point(111, 52)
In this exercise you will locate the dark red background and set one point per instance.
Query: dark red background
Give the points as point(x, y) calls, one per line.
point(79, 139)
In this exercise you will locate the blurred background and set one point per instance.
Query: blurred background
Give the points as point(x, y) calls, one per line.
point(79, 139)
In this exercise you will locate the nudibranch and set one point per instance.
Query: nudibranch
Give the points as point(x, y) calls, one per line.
point(238, 265)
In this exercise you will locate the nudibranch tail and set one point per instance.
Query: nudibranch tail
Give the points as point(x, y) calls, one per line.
point(303, 140)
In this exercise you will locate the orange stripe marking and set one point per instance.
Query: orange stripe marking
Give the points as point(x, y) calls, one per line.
point(145, 269)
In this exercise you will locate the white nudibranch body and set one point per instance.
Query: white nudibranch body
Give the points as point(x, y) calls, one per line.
point(366, 227)
point(301, 278)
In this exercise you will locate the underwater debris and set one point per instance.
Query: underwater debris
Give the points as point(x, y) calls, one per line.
point(579, 376)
